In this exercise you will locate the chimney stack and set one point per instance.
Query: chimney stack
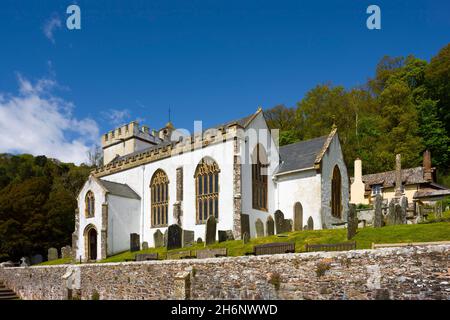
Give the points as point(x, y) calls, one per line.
point(427, 171)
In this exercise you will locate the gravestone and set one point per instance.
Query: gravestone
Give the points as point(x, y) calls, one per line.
point(24, 262)
point(145, 245)
point(230, 235)
point(174, 237)
point(222, 236)
point(352, 223)
point(378, 218)
point(36, 259)
point(210, 231)
point(289, 225)
point(245, 224)
point(310, 223)
point(66, 252)
point(305, 227)
point(398, 214)
point(279, 221)
point(135, 243)
point(259, 226)
point(52, 254)
point(246, 237)
point(270, 226)
point(390, 218)
point(404, 205)
point(158, 239)
point(165, 238)
point(188, 238)
point(199, 240)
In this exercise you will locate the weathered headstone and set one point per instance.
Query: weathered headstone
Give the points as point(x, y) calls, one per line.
point(289, 225)
point(378, 218)
point(24, 262)
point(352, 223)
point(246, 237)
point(66, 252)
point(188, 238)
point(310, 223)
point(36, 259)
point(222, 235)
point(174, 237)
point(390, 217)
point(305, 227)
point(135, 243)
point(398, 214)
point(199, 240)
point(52, 254)
point(158, 239)
point(145, 245)
point(166, 233)
point(404, 205)
point(270, 226)
point(280, 224)
point(259, 226)
point(230, 235)
point(210, 230)
point(245, 224)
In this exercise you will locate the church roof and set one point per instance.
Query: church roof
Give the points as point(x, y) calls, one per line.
point(301, 155)
point(119, 189)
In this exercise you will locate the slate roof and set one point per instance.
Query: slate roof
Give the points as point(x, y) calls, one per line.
point(300, 155)
point(387, 179)
point(119, 189)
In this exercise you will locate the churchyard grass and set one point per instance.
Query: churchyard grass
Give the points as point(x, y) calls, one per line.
point(364, 239)
point(55, 262)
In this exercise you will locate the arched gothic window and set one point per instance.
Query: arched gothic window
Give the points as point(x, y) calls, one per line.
point(207, 189)
point(259, 178)
point(89, 203)
point(336, 198)
point(159, 188)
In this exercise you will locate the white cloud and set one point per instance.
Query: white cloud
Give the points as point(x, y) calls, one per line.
point(116, 116)
point(50, 26)
point(38, 122)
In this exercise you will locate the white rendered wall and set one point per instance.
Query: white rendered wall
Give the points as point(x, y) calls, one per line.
point(303, 187)
point(123, 219)
point(99, 194)
point(139, 180)
point(246, 171)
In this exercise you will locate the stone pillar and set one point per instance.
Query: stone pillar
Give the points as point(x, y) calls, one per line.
point(378, 218)
point(237, 191)
point(182, 285)
point(104, 232)
point(352, 223)
point(398, 176)
point(75, 235)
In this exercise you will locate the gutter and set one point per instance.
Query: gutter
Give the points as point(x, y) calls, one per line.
point(294, 171)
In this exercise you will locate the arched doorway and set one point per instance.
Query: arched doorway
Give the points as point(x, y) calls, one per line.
point(90, 238)
point(336, 198)
point(298, 216)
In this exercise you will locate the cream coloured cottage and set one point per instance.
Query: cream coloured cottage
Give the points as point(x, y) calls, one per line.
point(153, 179)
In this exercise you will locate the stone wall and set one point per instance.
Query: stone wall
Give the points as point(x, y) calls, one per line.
point(394, 273)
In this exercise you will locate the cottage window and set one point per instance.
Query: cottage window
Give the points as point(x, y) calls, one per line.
point(207, 190)
point(159, 189)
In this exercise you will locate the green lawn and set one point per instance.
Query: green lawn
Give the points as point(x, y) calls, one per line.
point(364, 239)
point(55, 262)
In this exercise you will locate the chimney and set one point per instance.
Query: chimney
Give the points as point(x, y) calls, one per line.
point(427, 171)
point(358, 170)
point(398, 176)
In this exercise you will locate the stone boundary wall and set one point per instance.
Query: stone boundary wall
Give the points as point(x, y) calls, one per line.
point(387, 273)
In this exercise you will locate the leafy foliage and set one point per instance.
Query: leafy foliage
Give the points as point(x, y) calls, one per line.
point(404, 108)
point(37, 204)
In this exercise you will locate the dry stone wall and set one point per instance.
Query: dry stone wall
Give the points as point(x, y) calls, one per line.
point(386, 273)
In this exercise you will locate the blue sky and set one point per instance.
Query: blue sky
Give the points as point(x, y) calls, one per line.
point(207, 60)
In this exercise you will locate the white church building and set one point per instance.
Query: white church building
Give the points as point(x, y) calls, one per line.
point(152, 179)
